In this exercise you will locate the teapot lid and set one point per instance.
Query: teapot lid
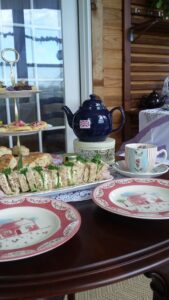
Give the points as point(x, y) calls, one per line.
point(94, 101)
point(94, 97)
point(154, 94)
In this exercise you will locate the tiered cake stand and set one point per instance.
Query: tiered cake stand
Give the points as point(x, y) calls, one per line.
point(15, 95)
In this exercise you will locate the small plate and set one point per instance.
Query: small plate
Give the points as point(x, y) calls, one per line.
point(18, 94)
point(135, 197)
point(165, 107)
point(24, 132)
point(18, 133)
point(30, 226)
point(121, 168)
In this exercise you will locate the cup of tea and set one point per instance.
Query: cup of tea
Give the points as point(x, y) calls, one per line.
point(141, 158)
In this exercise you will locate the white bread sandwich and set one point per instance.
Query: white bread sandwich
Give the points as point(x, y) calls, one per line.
point(24, 186)
point(4, 185)
point(40, 178)
point(31, 180)
point(37, 172)
point(78, 172)
point(13, 180)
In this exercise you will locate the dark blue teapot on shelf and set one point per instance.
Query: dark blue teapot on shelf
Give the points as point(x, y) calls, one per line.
point(153, 100)
point(93, 121)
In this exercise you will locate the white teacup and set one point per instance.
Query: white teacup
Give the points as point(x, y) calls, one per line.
point(141, 158)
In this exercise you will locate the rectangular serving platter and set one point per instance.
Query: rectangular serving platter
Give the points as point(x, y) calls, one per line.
point(55, 192)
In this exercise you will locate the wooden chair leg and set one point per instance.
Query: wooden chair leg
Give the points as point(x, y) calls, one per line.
point(71, 297)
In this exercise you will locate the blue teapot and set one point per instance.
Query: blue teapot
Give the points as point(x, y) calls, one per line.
point(93, 121)
point(153, 100)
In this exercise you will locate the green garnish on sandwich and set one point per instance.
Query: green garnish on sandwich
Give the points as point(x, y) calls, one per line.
point(6, 171)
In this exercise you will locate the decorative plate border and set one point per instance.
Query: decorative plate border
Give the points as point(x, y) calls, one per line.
point(101, 197)
point(69, 217)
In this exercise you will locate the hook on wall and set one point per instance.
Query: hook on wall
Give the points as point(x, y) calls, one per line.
point(143, 27)
point(93, 4)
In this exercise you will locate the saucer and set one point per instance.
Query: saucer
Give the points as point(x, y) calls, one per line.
point(165, 107)
point(121, 168)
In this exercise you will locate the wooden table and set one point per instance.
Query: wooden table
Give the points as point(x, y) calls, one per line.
point(108, 248)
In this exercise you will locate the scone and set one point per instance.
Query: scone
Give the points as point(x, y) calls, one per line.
point(20, 150)
point(7, 161)
point(37, 159)
point(4, 150)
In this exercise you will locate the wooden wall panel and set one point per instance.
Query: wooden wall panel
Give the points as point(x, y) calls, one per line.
point(146, 57)
point(149, 54)
point(107, 55)
point(97, 48)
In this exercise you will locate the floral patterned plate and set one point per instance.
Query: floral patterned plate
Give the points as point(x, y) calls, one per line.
point(135, 197)
point(30, 226)
point(121, 168)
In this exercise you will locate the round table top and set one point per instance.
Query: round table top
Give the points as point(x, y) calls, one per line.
point(107, 248)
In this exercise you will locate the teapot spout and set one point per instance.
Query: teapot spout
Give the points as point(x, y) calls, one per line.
point(69, 115)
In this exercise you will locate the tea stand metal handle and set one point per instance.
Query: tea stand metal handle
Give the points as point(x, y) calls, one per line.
point(12, 77)
point(10, 62)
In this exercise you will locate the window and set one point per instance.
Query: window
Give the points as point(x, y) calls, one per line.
point(45, 33)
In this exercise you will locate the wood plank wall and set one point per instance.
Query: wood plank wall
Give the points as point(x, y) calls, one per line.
point(107, 55)
point(149, 54)
point(146, 61)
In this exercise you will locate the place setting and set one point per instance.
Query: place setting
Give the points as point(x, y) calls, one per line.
point(30, 226)
point(141, 196)
point(134, 197)
point(142, 161)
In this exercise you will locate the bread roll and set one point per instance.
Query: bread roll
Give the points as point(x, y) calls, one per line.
point(37, 159)
point(7, 161)
point(20, 150)
point(4, 150)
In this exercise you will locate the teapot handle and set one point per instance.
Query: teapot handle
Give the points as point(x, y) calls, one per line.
point(123, 117)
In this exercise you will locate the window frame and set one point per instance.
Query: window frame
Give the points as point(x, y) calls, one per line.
point(83, 50)
point(76, 23)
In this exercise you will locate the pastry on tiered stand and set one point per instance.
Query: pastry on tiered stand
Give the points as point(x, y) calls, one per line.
point(19, 126)
point(21, 86)
point(2, 86)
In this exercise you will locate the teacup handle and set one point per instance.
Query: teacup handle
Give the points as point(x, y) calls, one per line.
point(164, 152)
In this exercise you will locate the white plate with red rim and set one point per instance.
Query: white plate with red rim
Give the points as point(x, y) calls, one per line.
point(135, 197)
point(122, 169)
point(31, 226)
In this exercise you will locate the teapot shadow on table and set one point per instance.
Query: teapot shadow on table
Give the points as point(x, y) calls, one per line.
point(153, 100)
point(93, 122)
